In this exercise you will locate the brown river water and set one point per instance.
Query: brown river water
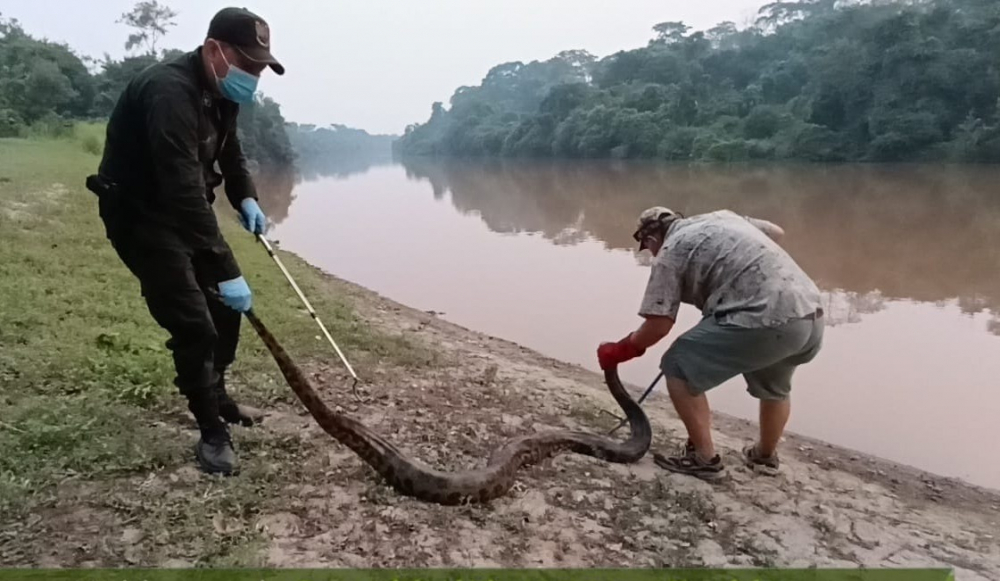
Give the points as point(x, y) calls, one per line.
point(540, 253)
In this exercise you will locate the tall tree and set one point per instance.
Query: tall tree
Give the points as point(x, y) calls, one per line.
point(150, 20)
point(670, 32)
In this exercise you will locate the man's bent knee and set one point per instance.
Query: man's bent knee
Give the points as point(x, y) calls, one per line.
point(678, 387)
point(194, 349)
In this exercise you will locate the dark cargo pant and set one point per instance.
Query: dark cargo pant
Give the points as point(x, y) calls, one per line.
point(204, 332)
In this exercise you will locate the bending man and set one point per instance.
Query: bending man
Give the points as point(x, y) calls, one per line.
point(761, 318)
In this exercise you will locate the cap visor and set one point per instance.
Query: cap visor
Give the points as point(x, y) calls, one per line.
point(263, 56)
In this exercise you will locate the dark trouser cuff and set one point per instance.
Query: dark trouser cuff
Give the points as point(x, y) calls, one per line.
point(204, 405)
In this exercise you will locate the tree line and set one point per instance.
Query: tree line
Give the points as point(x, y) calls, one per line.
point(46, 86)
point(813, 80)
point(337, 150)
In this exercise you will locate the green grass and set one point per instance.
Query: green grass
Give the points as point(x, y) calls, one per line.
point(84, 371)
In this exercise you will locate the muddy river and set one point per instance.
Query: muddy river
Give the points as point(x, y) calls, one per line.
point(540, 253)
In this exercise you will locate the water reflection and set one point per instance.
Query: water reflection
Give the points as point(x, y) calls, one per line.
point(275, 191)
point(867, 234)
point(541, 254)
point(341, 166)
point(276, 184)
point(993, 325)
point(843, 307)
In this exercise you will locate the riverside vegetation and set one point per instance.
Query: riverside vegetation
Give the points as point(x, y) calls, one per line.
point(812, 80)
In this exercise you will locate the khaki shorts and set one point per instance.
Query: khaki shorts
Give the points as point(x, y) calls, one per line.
point(710, 354)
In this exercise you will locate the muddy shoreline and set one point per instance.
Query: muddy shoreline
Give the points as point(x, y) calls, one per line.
point(825, 476)
point(900, 478)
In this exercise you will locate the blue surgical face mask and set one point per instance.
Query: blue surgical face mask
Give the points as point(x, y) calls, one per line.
point(238, 85)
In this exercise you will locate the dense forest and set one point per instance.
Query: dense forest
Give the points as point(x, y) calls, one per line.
point(46, 86)
point(813, 80)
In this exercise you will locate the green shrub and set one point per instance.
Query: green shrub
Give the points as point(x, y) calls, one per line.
point(763, 122)
point(734, 150)
point(678, 143)
point(53, 126)
point(11, 124)
point(92, 145)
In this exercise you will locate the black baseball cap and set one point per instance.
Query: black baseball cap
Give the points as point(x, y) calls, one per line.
point(247, 32)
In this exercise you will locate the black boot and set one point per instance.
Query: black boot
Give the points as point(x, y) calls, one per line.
point(214, 449)
point(231, 411)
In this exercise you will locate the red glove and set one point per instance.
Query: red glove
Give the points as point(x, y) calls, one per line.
point(609, 355)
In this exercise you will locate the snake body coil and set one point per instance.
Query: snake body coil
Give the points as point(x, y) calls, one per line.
point(413, 478)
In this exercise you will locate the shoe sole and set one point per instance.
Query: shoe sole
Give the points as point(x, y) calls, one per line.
point(763, 469)
point(661, 461)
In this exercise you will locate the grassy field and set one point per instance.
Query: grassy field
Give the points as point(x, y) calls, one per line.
point(85, 377)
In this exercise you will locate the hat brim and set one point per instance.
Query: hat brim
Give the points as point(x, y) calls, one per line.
point(259, 54)
point(638, 237)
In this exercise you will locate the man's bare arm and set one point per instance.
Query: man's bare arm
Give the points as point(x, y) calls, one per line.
point(652, 330)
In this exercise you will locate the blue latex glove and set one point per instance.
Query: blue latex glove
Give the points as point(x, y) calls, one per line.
point(252, 217)
point(235, 294)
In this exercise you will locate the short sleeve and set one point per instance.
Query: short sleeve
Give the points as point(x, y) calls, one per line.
point(663, 290)
point(763, 225)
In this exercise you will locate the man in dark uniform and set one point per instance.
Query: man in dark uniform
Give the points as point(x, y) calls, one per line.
point(156, 184)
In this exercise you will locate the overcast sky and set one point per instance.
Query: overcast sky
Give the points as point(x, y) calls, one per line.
point(379, 64)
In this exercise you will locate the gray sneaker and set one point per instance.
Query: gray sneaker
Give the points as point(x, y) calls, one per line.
point(215, 453)
point(214, 449)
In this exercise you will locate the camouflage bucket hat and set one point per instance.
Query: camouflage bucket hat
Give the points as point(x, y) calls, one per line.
point(651, 220)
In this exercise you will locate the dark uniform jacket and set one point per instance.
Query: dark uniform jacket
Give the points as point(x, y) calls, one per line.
point(164, 137)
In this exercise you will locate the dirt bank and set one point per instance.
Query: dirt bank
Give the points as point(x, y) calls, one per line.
point(828, 507)
point(303, 499)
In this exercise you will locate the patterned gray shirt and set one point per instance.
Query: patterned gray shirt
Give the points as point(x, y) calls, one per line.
point(725, 265)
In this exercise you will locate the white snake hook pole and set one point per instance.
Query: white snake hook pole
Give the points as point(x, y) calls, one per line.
point(312, 312)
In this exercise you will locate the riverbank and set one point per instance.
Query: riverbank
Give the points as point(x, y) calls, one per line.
point(96, 469)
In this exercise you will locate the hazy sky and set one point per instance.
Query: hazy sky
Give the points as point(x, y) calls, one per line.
point(379, 64)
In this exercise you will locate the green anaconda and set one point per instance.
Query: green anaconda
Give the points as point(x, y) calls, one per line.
point(412, 478)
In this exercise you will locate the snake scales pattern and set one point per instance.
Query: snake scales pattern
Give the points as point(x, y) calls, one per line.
point(412, 478)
